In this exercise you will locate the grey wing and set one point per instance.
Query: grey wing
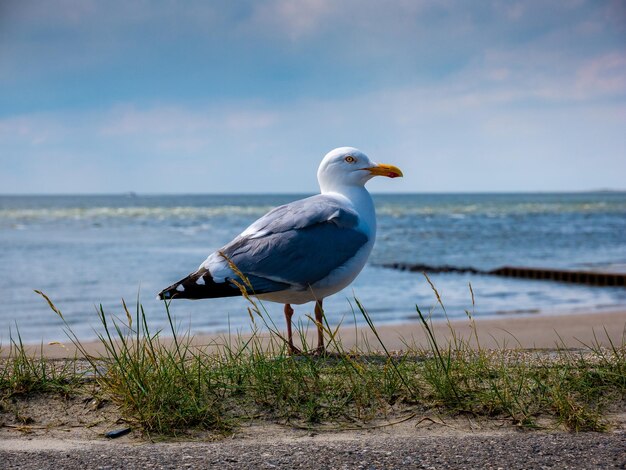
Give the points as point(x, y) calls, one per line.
point(299, 243)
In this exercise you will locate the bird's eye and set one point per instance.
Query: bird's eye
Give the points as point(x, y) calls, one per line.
point(350, 159)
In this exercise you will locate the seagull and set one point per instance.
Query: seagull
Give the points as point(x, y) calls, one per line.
point(300, 252)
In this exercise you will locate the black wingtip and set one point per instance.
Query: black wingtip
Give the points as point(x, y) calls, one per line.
point(164, 295)
point(199, 285)
point(171, 292)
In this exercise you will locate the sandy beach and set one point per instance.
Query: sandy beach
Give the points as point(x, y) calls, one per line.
point(574, 330)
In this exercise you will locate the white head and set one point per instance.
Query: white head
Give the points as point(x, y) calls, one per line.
point(347, 166)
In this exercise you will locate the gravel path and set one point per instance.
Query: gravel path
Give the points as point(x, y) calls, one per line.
point(509, 451)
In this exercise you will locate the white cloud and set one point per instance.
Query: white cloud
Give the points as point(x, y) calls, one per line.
point(603, 76)
point(160, 120)
point(291, 19)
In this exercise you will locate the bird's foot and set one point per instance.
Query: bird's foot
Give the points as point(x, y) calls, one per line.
point(319, 351)
point(293, 351)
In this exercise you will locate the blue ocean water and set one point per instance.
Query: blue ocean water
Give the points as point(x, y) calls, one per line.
point(83, 251)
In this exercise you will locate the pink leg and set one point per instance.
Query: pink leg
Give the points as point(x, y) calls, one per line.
point(320, 331)
point(288, 315)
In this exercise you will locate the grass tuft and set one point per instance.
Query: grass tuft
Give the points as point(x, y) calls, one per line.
point(165, 383)
point(24, 372)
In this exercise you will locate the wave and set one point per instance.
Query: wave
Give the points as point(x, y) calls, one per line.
point(460, 211)
point(157, 213)
point(396, 210)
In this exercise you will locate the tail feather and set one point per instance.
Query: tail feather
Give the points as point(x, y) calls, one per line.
point(199, 285)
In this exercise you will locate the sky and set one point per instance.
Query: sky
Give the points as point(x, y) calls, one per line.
point(247, 97)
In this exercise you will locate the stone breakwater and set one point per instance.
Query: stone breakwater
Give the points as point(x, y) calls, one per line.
point(592, 278)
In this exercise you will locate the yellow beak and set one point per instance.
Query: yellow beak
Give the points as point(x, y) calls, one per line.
point(385, 170)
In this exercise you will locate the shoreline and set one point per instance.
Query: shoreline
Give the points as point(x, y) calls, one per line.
point(571, 330)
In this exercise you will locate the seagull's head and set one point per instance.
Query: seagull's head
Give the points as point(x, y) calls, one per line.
point(347, 166)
